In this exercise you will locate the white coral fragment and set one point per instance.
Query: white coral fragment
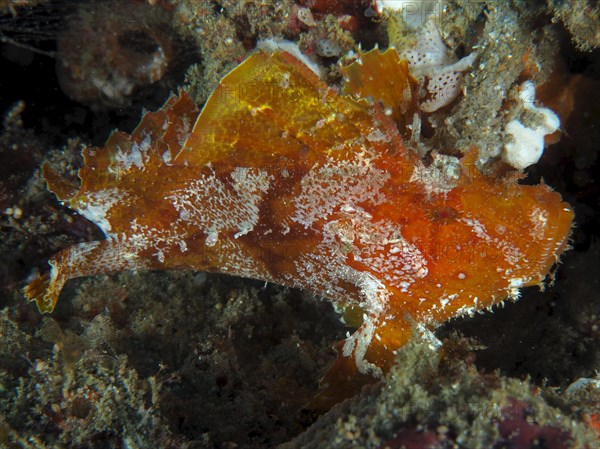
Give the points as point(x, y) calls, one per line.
point(430, 53)
point(527, 143)
point(431, 60)
point(443, 88)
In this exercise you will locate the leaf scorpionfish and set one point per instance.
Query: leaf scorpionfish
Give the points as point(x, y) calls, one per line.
point(282, 178)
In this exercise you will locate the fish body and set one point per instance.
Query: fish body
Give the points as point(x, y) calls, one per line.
point(283, 179)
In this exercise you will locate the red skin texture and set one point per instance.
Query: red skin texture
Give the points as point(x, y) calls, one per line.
point(283, 179)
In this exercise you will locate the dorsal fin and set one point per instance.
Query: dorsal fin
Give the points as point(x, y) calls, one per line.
point(155, 140)
point(384, 77)
point(272, 105)
point(270, 109)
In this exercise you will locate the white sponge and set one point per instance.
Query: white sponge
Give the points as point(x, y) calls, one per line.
point(527, 144)
point(431, 59)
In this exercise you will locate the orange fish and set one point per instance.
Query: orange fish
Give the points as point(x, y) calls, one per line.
point(283, 179)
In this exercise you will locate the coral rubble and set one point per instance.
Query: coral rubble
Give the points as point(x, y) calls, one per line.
point(111, 50)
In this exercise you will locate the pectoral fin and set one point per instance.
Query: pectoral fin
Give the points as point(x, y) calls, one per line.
point(362, 359)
